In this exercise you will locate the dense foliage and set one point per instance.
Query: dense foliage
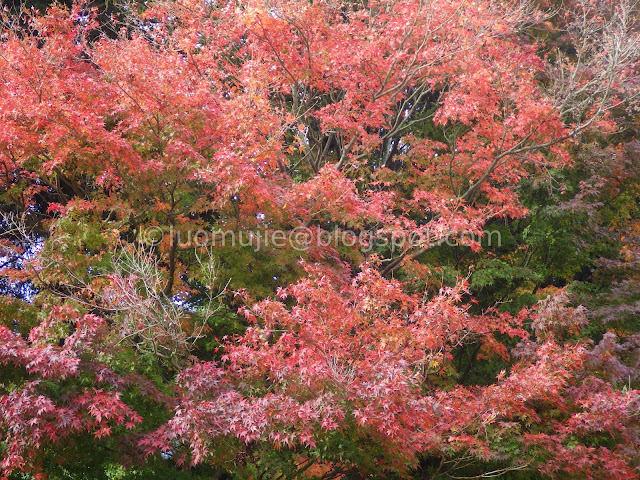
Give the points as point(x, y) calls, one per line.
point(338, 239)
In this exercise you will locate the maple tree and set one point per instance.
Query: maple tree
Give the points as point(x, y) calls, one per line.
point(398, 127)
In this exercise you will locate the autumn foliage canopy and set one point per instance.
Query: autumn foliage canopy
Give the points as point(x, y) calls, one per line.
point(171, 172)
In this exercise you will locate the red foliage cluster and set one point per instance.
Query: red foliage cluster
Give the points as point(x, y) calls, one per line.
point(285, 114)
